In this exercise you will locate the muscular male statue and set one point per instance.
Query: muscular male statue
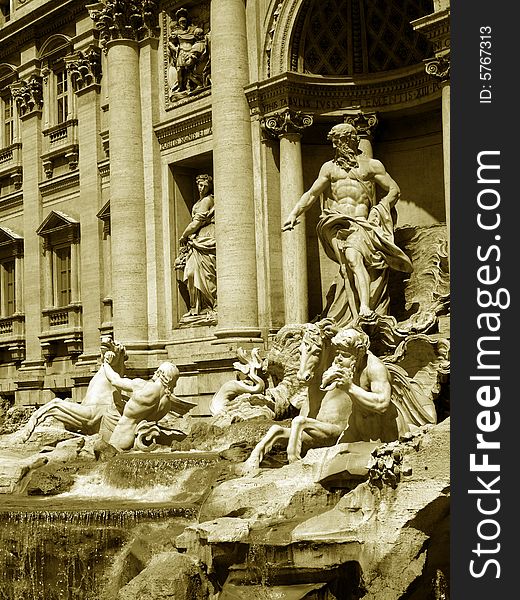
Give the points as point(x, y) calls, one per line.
point(355, 230)
point(149, 400)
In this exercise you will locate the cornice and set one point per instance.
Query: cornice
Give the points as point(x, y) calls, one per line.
point(319, 95)
point(38, 24)
point(436, 29)
point(58, 184)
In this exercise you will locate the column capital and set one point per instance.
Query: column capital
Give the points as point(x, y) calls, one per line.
point(287, 122)
point(125, 19)
point(438, 67)
point(364, 122)
point(84, 68)
point(28, 95)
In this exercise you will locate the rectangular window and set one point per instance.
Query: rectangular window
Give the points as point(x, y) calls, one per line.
point(62, 276)
point(62, 96)
point(8, 121)
point(7, 288)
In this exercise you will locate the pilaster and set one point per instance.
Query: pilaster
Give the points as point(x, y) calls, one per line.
point(28, 97)
point(84, 67)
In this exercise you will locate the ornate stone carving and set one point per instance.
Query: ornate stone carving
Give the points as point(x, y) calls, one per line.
point(189, 64)
point(125, 19)
point(240, 400)
point(28, 95)
point(286, 122)
point(98, 405)
point(270, 36)
point(438, 67)
point(364, 122)
point(360, 241)
point(197, 258)
point(84, 68)
point(149, 401)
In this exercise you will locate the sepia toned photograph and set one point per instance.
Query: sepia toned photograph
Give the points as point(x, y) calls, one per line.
point(225, 300)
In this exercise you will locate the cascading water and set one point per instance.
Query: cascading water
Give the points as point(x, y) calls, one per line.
point(62, 547)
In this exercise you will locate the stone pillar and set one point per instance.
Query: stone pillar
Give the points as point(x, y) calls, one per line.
point(365, 124)
point(27, 94)
point(440, 69)
point(436, 28)
point(233, 175)
point(127, 193)
point(85, 73)
point(288, 126)
point(122, 25)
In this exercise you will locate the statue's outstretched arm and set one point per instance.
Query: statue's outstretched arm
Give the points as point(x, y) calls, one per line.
point(122, 383)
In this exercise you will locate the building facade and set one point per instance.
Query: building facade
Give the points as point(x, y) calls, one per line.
point(110, 111)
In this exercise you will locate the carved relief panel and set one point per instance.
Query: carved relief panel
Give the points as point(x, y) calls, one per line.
point(186, 51)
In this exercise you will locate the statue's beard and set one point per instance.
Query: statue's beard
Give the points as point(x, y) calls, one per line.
point(346, 158)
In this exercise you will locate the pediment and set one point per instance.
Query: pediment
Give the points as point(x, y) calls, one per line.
point(8, 236)
point(10, 241)
point(104, 213)
point(57, 221)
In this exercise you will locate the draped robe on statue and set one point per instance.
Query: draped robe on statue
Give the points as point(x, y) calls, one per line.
point(200, 273)
point(373, 238)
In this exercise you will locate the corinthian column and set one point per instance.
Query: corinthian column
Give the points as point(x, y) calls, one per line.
point(288, 126)
point(233, 174)
point(121, 27)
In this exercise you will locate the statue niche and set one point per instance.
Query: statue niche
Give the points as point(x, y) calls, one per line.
point(188, 57)
point(197, 260)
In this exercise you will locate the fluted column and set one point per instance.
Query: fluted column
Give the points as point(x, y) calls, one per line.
point(288, 126)
point(233, 174)
point(121, 27)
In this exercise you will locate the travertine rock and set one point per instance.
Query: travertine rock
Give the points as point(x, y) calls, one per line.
point(168, 576)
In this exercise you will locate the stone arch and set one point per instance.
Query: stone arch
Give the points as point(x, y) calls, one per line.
point(55, 43)
point(8, 73)
point(379, 36)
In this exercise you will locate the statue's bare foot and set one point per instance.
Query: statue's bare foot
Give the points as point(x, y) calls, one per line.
point(365, 311)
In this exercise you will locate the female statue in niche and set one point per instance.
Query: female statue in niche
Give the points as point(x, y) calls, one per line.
point(197, 256)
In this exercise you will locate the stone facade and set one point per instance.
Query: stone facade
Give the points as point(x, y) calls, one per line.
point(98, 163)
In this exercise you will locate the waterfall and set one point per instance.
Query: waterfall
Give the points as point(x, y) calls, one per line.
point(58, 549)
point(63, 547)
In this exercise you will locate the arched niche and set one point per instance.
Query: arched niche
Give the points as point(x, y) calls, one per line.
point(344, 38)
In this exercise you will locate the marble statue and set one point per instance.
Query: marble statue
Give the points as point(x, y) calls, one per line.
point(250, 382)
point(149, 400)
point(355, 229)
point(197, 255)
point(366, 399)
point(98, 411)
point(188, 48)
point(385, 404)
